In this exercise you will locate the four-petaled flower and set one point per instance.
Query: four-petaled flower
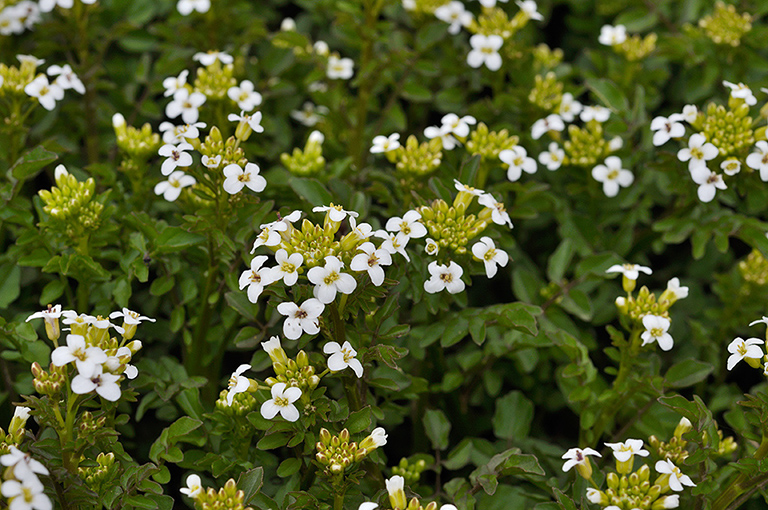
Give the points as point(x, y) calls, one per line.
point(518, 161)
point(281, 402)
point(596, 113)
point(577, 456)
point(551, 122)
point(459, 126)
point(287, 266)
point(171, 189)
point(409, 225)
point(339, 68)
point(194, 486)
point(253, 121)
point(666, 128)
point(444, 277)
point(209, 57)
point(301, 319)
point(371, 261)
point(612, 176)
point(553, 157)
point(185, 104)
point(709, 182)
point(612, 36)
point(624, 451)
point(341, 357)
point(46, 93)
point(383, 143)
point(245, 96)
point(105, 384)
point(455, 14)
point(630, 271)
point(530, 9)
point(676, 478)
point(485, 50)
point(329, 280)
point(569, 107)
point(238, 383)
point(499, 213)
point(485, 250)
point(741, 91)
point(256, 278)
point(185, 8)
point(759, 160)
point(175, 157)
point(238, 177)
point(656, 328)
point(87, 359)
point(698, 152)
point(741, 349)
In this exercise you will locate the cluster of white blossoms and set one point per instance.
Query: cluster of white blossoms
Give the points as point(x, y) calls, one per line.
point(748, 350)
point(16, 18)
point(452, 131)
point(48, 87)
point(22, 485)
point(186, 7)
point(397, 498)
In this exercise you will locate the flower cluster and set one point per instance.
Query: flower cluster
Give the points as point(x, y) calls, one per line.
point(22, 485)
point(748, 350)
point(633, 48)
point(337, 453)
point(47, 88)
point(398, 500)
point(228, 496)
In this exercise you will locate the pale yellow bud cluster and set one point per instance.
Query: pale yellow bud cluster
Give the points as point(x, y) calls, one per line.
point(215, 80)
point(495, 21)
point(228, 497)
point(94, 475)
point(138, 144)
point(730, 130)
point(547, 58)
point(16, 430)
point(450, 226)
point(214, 145)
point(51, 382)
point(645, 303)
point(547, 92)
point(242, 403)
point(337, 453)
point(410, 471)
point(754, 269)
point(14, 79)
point(72, 202)
point(674, 449)
point(631, 491)
point(418, 160)
point(586, 146)
point(88, 424)
point(488, 144)
point(307, 162)
point(298, 373)
point(725, 25)
point(427, 6)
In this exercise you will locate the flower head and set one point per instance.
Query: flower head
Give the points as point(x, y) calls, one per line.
point(676, 478)
point(194, 487)
point(485, 50)
point(698, 152)
point(371, 261)
point(741, 91)
point(329, 280)
point(175, 157)
point(238, 383)
point(485, 250)
point(612, 176)
point(46, 93)
point(171, 189)
point(383, 143)
point(339, 68)
point(630, 271)
point(759, 160)
point(553, 157)
point(281, 402)
point(518, 161)
point(455, 14)
point(301, 319)
point(444, 277)
point(341, 357)
point(551, 122)
point(656, 331)
point(624, 451)
point(185, 104)
point(245, 96)
point(256, 278)
point(741, 349)
point(238, 177)
point(209, 57)
point(612, 36)
point(666, 128)
point(578, 457)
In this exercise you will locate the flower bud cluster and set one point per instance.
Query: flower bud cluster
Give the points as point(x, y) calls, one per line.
point(547, 92)
point(139, 144)
point(674, 449)
point(298, 373)
point(645, 303)
point(215, 80)
point(730, 130)
point(546, 57)
point(88, 424)
point(94, 475)
point(48, 383)
point(228, 497)
point(488, 144)
point(726, 446)
point(633, 491)
point(337, 453)
point(450, 226)
point(495, 21)
point(15, 79)
point(15, 430)
point(410, 471)
point(585, 146)
point(309, 161)
point(214, 146)
point(416, 160)
point(636, 48)
point(725, 25)
point(424, 6)
point(242, 403)
point(72, 203)
point(754, 269)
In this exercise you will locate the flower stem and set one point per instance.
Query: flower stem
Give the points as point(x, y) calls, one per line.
point(338, 501)
point(741, 483)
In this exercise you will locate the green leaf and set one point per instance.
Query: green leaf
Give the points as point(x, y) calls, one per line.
point(359, 420)
point(182, 427)
point(609, 94)
point(51, 292)
point(560, 260)
point(288, 467)
point(687, 373)
point(564, 501)
point(162, 285)
point(437, 427)
point(32, 162)
point(176, 239)
point(10, 284)
point(273, 440)
point(455, 330)
point(312, 191)
point(513, 416)
point(250, 483)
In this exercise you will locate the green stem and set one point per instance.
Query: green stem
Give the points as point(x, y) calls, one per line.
point(742, 482)
point(338, 501)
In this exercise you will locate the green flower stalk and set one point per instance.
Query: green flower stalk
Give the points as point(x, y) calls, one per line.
point(416, 161)
point(309, 161)
point(725, 25)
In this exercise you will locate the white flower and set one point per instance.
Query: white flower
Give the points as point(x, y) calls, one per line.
point(597, 113)
point(409, 225)
point(238, 383)
point(674, 288)
point(175, 134)
point(553, 157)
point(194, 487)
point(362, 231)
point(518, 161)
point(256, 278)
point(322, 49)
point(577, 456)
point(371, 261)
point(171, 189)
point(46, 93)
point(698, 152)
point(212, 163)
point(185, 104)
point(393, 243)
point(690, 113)
point(287, 25)
point(549, 123)
point(454, 14)
point(24, 466)
point(245, 96)
point(656, 328)
point(458, 126)
point(287, 266)
point(50, 314)
point(611, 36)
point(275, 351)
point(759, 160)
point(301, 319)
point(66, 78)
point(270, 233)
point(329, 280)
point(485, 50)
point(335, 212)
point(210, 57)
point(731, 166)
point(339, 68)
point(676, 479)
point(282, 402)
point(490, 3)
point(630, 271)
point(105, 384)
point(86, 358)
point(612, 176)
point(172, 84)
point(238, 177)
point(341, 357)
point(431, 247)
point(530, 9)
point(666, 128)
point(309, 115)
point(395, 489)
point(185, 7)
point(368, 505)
point(383, 143)
point(72, 318)
point(764, 320)
point(48, 5)
point(499, 213)
point(485, 250)
point(615, 143)
point(26, 494)
point(378, 437)
point(741, 91)
point(444, 277)
point(444, 134)
point(253, 121)
point(709, 182)
point(175, 157)
point(11, 21)
point(741, 349)
point(593, 495)
point(670, 501)
point(624, 451)
point(569, 107)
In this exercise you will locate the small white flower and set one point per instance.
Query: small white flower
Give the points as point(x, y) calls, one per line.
point(362, 231)
point(66, 78)
point(105, 384)
point(485, 50)
point(335, 212)
point(444, 277)
point(50, 314)
point(253, 121)
point(612, 36)
point(709, 182)
point(245, 96)
point(615, 143)
point(431, 247)
point(171, 189)
point(339, 68)
point(49, 5)
point(455, 14)
point(690, 113)
point(393, 243)
point(275, 351)
point(409, 225)
point(282, 402)
point(26, 494)
point(676, 479)
point(596, 113)
point(630, 271)
point(518, 161)
point(301, 319)
point(741, 349)
point(624, 451)
point(185, 7)
point(569, 107)
point(256, 278)
point(174, 83)
point(194, 487)
point(86, 358)
point(287, 268)
point(666, 128)
point(287, 25)
point(210, 57)
point(24, 466)
point(341, 357)
point(383, 143)
point(593, 495)
point(238, 383)
point(329, 280)
point(485, 250)
point(309, 115)
point(212, 163)
point(499, 213)
point(175, 134)
point(378, 437)
point(577, 456)
point(371, 261)
point(730, 166)
point(553, 157)
point(551, 122)
point(46, 93)
point(674, 287)
point(444, 134)
point(175, 157)
point(238, 177)
point(395, 489)
point(530, 9)
point(270, 232)
point(612, 176)
point(185, 104)
point(698, 152)
point(741, 91)
point(322, 49)
point(656, 328)
point(368, 505)
point(759, 160)
point(458, 126)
